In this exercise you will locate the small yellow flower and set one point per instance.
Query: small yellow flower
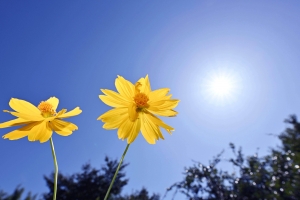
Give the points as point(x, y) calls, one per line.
point(135, 110)
point(39, 122)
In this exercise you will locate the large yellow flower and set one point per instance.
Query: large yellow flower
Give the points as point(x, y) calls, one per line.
point(135, 110)
point(39, 122)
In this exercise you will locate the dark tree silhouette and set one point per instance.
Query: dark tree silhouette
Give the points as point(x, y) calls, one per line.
point(275, 176)
point(16, 195)
point(139, 195)
point(91, 184)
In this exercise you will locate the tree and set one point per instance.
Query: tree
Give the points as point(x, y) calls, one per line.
point(275, 176)
point(139, 195)
point(16, 195)
point(91, 184)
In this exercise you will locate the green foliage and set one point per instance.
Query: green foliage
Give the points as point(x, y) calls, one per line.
point(91, 184)
point(16, 195)
point(275, 176)
point(139, 195)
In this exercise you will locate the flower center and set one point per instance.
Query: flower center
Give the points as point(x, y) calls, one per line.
point(141, 100)
point(46, 109)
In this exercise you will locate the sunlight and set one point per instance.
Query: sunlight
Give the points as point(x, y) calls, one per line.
point(221, 86)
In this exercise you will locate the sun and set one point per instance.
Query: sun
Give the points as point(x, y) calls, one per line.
point(221, 86)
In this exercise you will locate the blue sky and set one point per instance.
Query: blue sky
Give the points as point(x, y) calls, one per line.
point(71, 49)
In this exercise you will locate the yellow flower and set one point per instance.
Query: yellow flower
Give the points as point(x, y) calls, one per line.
point(135, 110)
point(39, 122)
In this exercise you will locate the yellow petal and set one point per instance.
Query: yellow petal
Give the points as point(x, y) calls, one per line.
point(66, 125)
point(63, 128)
point(22, 106)
point(60, 113)
point(37, 131)
point(149, 129)
point(141, 81)
point(164, 107)
point(165, 113)
point(114, 95)
point(63, 132)
point(158, 95)
point(28, 117)
point(74, 112)
point(114, 124)
point(134, 131)
point(15, 135)
point(145, 85)
point(61, 124)
point(124, 87)
point(113, 114)
point(113, 102)
point(129, 129)
point(21, 132)
point(114, 117)
point(165, 104)
point(153, 126)
point(133, 115)
point(47, 134)
point(160, 123)
point(54, 102)
point(14, 122)
point(123, 132)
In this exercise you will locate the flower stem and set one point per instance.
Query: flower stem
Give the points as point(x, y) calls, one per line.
point(113, 180)
point(56, 168)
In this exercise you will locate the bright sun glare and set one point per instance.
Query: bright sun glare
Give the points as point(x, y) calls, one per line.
point(221, 86)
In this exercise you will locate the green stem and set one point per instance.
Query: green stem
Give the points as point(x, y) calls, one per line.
point(113, 180)
point(56, 168)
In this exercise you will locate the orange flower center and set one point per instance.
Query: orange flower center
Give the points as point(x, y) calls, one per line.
point(46, 109)
point(141, 100)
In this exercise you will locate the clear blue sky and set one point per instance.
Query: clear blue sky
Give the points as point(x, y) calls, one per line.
point(71, 49)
